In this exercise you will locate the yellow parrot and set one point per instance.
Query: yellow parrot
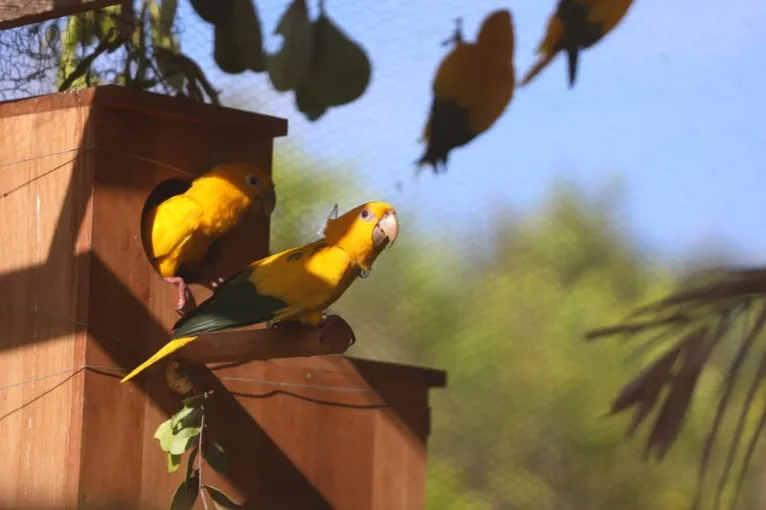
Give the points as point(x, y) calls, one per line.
point(182, 219)
point(576, 25)
point(472, 88)
point(294, 285)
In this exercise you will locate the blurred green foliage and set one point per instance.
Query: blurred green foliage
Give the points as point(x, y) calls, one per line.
point(522, 424)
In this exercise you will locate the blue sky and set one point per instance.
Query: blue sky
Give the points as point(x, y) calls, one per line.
point(671, 102)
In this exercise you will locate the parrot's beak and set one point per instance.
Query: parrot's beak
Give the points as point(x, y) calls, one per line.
point(269, 201)
point(386, 231)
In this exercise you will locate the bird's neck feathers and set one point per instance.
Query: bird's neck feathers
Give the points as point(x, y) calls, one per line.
point(360, 253)
point(221, 200)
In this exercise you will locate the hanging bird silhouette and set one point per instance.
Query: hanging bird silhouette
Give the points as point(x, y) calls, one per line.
point(576, 25)
point(183, 219)
point(295, 285)
point(472, 88)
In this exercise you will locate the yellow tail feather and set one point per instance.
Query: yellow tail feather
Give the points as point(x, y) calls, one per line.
point(539, 66)
point(548, 47)
point(167, 349)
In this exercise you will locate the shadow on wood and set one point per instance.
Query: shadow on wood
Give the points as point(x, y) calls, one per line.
point(77, 289)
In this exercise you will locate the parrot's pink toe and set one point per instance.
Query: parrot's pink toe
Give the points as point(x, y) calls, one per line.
point(182, 290)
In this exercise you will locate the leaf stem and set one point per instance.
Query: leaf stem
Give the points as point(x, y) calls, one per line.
point(200, 460)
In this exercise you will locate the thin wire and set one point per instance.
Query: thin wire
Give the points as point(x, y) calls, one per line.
point(36, 178)
point(338, 389)
point(76, 369)
point(82, 149)
point(34, 158)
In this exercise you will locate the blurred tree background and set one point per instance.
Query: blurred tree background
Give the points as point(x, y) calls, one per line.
point(522, 422)
point(502, 300)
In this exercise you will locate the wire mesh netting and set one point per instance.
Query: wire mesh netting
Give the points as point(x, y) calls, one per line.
point(496, 288)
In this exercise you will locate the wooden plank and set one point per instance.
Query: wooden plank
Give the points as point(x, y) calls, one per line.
point(254, 125)
point(16, 13)
point(356, 444)
point(39, 337)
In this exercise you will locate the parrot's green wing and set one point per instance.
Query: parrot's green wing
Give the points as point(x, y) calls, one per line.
point(235, 303)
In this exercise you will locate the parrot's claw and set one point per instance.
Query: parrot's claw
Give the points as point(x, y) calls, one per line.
point(183, 290)
point(215, 283)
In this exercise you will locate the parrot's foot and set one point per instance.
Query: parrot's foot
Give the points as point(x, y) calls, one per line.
point(326, 325)
point(457, 37)
point(285, 324)
point(183, 290)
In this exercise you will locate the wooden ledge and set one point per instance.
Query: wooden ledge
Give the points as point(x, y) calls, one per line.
point(289, 340)
point(152, 104)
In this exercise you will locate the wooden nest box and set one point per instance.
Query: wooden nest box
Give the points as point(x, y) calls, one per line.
point(78, 298)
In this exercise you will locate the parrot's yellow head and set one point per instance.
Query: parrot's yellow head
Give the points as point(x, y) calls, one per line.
point(363, 232)
point(496, 32)
point(248, 180)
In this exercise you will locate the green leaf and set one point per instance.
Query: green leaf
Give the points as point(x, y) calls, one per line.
point(214, 455)
point(340, 71)
point(213, 11)
point(187, 417)
point(180, 415)
point(185, 495)
point(105, 21)
point(190, 463)
point(290, 64)
point(238, 40)
point(183, 440)
point(197, 400)
point(164, 434)
point(221, 500)
point(173, 462)
point(307, 102)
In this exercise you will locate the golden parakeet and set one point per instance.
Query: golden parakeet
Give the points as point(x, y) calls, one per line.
point(577, 24)
point(182, 219)
point(471, 89)
point(294, 285)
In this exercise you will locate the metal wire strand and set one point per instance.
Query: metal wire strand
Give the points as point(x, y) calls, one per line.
point(137, 157)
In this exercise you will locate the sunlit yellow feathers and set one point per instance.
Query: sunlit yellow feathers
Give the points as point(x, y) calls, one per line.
point(472, 88)
point(297, 284)
point(575, 25)
point(179, 231)
point(310, 278)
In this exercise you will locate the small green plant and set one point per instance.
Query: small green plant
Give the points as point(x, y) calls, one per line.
point(184, 432)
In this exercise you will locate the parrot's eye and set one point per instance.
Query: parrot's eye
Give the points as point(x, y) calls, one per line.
point(365, 214)
point(252, 181)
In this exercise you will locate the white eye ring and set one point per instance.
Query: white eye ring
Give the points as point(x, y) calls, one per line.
point(365, 214)
point(252, 181)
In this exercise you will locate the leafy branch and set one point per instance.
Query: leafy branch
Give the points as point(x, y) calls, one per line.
point(184, 432)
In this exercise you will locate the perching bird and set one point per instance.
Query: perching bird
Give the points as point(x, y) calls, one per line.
point(294, 285)
point(471, 89)
point(182, 219)
point(576, 25)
